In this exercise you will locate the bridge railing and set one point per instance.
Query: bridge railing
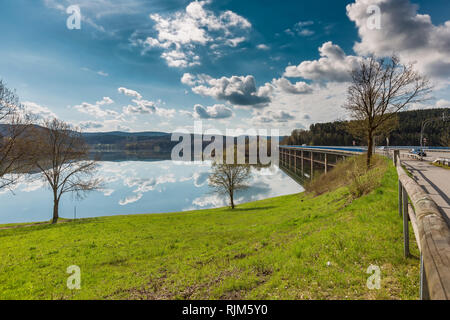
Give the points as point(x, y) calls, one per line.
point(431, 232)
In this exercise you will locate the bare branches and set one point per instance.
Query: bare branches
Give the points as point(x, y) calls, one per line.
point(13, 143)
point(62, 157)
point(228, 178)
point(380, 89)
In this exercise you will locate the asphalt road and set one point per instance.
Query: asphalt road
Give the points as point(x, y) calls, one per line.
point(434, 180)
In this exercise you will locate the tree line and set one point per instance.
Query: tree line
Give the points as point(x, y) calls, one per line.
point(406, 134)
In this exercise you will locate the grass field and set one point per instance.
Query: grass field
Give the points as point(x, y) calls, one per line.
point(291, 247)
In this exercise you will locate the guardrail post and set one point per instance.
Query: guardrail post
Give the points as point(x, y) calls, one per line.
point(405, 223)
point(295, 161)
point(424, 293)
point(312, 164)
point(302, 163)
point(400, 195)
point(396, 156)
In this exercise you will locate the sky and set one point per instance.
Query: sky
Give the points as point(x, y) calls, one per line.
point(161, 65)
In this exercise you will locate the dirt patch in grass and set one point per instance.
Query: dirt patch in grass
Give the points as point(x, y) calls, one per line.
point(162, 288)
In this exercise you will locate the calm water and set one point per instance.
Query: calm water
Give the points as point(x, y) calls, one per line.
point(135, 187)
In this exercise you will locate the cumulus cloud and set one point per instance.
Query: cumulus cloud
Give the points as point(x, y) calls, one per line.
point(90, 125)
point(142, 106)
point(129, 92)
point(237, 90)
point(96, 109)
point(217, 111)
point(269, 116)
point(288, 87)
point(37, 111)
point(334, 65)
point(178, 34)
point(411, 35)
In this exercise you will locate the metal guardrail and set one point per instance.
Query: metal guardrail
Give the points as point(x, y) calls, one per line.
point(351, 150)
point(442, 161)
point(431, 232)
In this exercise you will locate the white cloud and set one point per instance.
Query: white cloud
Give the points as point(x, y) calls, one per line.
point(142, 106)
point(263, 46)
point(131, 199)
point(129, 92)
point(37, 110)
point(404, 31)
point(235, 41)
point(334, 65)
point(178, 34)
point(301, 29)
point(102, 73)
point(217, 111)
point(297, 88)
point(269, 116)
point(237, 90)
point(96, 110)
point(442, 103)
point(90, 125)
point(188, 79)
point(105, 101)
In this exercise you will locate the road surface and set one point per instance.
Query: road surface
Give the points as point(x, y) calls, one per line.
point(434, 180)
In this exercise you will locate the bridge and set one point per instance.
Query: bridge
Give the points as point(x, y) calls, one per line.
point(304, 160)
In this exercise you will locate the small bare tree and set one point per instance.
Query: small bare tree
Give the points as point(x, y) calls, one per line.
point(13, 143)
point(226, 179)
point(62, 157)
point(380, 89)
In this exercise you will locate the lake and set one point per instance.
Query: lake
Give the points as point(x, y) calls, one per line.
point(139, 187)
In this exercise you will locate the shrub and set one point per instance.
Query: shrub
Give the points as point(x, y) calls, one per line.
point(351, 173)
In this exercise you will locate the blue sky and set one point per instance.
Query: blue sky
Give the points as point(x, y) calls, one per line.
point(162, 64)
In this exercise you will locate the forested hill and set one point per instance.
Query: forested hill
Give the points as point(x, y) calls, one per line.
point(406, 134)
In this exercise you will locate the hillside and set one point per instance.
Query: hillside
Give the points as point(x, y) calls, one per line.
point(407, 133)
point(292, 247)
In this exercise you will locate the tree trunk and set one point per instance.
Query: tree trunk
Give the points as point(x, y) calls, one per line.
point(369, 149)
point(232, 199)
point(55, 210)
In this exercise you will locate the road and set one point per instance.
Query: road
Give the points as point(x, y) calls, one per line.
point(434, 180)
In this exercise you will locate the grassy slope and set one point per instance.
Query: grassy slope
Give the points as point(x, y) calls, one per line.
point(273, 249)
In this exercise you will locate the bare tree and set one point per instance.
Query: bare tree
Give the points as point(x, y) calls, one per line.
point(226, 179)
point(380, 89)
point(13, 143)
point(62, 157)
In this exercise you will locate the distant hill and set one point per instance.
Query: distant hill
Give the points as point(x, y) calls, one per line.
point(117, 137)
point(407, 133)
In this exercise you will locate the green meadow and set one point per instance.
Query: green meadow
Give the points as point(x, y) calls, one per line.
point(293, 247)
